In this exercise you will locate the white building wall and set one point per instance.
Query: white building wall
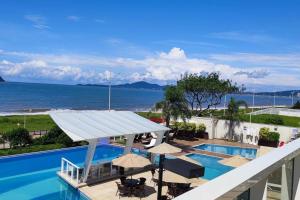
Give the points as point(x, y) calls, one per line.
point(221, 129)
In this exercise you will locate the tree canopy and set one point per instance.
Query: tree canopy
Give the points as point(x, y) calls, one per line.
point(206, 90)
point(296, 105)
point(174, 104)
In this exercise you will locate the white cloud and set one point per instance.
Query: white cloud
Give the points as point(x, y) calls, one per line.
point(38, 21)
point(162, 67)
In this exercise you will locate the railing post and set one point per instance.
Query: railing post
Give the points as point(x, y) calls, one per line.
point(259, 190)
point(72, 171)
point(296, 179)
point(77, 175)
point(62, 166)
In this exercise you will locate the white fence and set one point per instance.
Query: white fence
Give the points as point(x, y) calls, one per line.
point(248, 132)
point(278, 111)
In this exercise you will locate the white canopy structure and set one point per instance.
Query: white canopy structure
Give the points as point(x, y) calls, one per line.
point(91, 125)
point(88, 125)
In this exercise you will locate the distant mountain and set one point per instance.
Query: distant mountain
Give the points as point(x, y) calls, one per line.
point(136, 85)
point(286, 93)
point(1, 79)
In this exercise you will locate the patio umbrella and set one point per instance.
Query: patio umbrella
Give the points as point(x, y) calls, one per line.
point(131, 160)
point(171, 177)
point(234, 161)
point(162, 149)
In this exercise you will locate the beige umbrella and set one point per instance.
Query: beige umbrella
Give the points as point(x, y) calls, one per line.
point(234, 161)
point(183, 157)
point(131, 160)
point(171, 177)
point(164, 148)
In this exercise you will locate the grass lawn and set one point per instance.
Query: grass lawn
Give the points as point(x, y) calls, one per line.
point(149, 114)
point(29, 149)
point(32, 122)
point(263, 119)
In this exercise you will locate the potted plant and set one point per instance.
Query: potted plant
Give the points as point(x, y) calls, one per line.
point(267, 138)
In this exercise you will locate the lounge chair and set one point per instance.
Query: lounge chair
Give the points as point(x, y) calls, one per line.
point(153, 135)
point(152, 143)
point(146, 138)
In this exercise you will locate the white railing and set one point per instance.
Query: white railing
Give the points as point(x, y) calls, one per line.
point(250, 176)
point(70, 169)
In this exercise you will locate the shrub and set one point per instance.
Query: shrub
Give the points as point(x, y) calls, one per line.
point(55, 135)
point(274, 119)
point(18, 137)
point(191, 127)
point(273, 136)
point(263, 133)
point(296, 105)
point(201, 128)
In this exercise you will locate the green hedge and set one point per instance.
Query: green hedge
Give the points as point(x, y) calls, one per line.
point(29, 149)
point(191, 127)
point(54, 136)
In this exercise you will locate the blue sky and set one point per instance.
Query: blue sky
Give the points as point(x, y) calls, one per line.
point(255, 43)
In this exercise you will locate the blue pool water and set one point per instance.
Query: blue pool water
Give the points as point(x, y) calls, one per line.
point(230, 150)
point(34, 176)
point(213, 168)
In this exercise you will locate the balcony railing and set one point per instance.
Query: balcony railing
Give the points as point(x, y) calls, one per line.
point(275, 175)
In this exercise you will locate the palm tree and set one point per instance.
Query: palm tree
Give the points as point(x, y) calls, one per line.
point(233, 115)
point(174, 105)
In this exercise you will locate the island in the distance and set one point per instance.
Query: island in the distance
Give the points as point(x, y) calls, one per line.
point(1, 79)
point(135, 85)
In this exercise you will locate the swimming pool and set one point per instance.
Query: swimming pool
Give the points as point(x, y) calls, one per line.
point(213, 168)
point(33, 176)
point(230, 150)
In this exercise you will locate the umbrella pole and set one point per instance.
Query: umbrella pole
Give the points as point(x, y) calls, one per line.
point(160, 175)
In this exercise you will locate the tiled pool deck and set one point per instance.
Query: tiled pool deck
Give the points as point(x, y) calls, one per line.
point(108, 189)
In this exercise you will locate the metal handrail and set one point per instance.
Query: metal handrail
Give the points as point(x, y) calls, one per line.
point(70, 164)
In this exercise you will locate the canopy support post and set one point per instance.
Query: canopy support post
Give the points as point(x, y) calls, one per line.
point(129, 143)
point(89, 158)
point(160, 135)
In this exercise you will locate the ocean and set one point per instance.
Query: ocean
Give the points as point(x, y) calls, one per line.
point(32, 96)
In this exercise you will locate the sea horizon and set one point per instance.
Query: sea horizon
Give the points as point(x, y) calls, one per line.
point(37, 97)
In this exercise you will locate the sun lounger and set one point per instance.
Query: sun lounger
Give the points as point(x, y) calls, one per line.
point(152, 143)
point(153, 135)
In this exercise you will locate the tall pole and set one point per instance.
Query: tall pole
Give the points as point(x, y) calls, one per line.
point(274, 102)
point(109, 90)
point(24, 123)
point(292, 98)
point(224, 105)
point(253, 95)
point(160, 175)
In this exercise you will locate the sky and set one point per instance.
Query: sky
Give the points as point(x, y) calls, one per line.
point(255, 43)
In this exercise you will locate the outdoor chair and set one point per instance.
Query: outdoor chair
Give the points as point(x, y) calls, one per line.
point(172, 190)
point(142, 181)
point(140, 190)
point(123, 179)
point(122, 190)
